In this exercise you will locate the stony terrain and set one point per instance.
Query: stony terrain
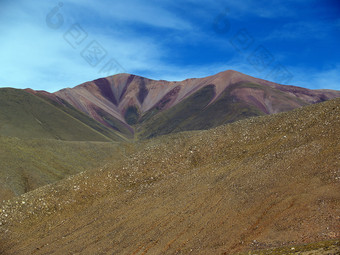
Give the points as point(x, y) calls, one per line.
point(255, 184)
point(331, 247)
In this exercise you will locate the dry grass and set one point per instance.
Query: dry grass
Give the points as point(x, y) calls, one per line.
point(26, 164)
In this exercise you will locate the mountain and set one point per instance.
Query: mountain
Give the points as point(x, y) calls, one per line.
point(258, 183)
point(26, 115)
point(134, 105)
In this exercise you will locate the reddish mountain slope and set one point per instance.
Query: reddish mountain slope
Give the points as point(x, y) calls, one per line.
point(126, 100)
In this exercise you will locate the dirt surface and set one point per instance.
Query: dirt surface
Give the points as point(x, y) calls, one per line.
point(319, 248)
point(255, 184)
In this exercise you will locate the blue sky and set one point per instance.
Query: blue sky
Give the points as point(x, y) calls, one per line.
point(50, 45)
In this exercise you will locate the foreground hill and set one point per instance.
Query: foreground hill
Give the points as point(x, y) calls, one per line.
point(25, 115)
point(258, 183)
point(151, 108)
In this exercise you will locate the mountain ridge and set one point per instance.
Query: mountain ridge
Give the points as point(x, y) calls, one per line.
point(126, 101)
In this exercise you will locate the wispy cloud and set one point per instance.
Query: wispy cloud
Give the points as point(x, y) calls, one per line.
point(151, 12)
point(328, 78)
point(39, 57)
point(35, 56)
point(166, 39)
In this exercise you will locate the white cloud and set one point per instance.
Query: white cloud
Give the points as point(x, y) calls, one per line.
point(147, 12)
point(328, 78)
point(36, 56)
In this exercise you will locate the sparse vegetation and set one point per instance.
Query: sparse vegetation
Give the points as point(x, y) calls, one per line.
point(26, 164)
point(259, 183)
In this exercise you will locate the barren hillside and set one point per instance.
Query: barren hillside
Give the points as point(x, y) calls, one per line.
point(258, 183)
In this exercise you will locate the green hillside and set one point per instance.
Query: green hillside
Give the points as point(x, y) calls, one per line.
point(27, 116)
